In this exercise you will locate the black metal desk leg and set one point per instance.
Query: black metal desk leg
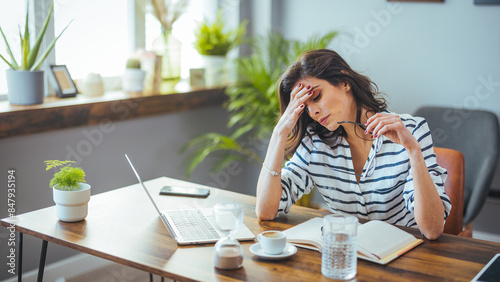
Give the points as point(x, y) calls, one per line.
point(41, 267)
point(20, 255)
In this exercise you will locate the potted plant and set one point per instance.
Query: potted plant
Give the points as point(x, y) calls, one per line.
point(24, 79)
point(133, 78)
point(70, 193)
point(213, 43)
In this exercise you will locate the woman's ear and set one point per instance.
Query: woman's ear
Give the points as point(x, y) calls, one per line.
point(347, 87)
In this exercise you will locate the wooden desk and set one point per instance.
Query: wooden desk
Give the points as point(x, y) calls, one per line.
point(122, 226)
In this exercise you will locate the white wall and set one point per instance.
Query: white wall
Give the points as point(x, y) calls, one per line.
point(417, 53)
point(153, 144)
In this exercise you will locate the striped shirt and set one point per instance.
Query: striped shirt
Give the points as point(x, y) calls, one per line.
point(385, 192)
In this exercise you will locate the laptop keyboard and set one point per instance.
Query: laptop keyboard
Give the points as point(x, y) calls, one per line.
point(193, 225)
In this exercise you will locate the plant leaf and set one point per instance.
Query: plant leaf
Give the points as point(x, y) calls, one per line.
point(26, 29)
point(34, 51)
point(213, 40)
point(24, 53)
point(40, 60)
point(13, 64)
point(225, 160)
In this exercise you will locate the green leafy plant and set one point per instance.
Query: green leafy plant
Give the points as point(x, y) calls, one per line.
point(68, 177)
point(133, 63)
point(29, 54)
point(212, 39)
point(252, 101)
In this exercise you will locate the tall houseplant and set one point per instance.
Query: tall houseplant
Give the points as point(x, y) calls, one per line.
point(252, 102)
point(24, 79)
point(213, 42)
point(70, 192)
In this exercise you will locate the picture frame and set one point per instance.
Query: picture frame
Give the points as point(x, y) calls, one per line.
point(62, 82)
point(486, 2)
point(197, 77)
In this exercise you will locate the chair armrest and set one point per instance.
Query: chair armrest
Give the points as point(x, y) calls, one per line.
point(466, 233)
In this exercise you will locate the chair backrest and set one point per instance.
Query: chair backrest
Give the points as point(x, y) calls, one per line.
point(476, 135)
point(453, 162)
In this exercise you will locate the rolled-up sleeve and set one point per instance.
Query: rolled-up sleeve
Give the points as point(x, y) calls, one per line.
point(295, 179)
point(438, 174)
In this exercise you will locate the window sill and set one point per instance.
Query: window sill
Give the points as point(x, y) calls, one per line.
point(56, 113)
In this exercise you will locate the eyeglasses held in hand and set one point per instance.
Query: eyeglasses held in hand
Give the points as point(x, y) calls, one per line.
point(353, 122)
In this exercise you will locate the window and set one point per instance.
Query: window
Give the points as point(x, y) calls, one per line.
point(99, 36)
point(12, 15)
point(96, 40)
point(182, 30)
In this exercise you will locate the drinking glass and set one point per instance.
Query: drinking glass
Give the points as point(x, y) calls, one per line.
point(338, 259)
point(228, 253)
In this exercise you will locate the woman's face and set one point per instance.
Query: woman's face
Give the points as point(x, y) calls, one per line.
point(328, 104)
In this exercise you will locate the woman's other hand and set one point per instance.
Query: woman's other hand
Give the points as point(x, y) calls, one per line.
point(391, 126)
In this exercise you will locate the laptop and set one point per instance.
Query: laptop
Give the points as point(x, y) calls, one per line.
point(193, 226)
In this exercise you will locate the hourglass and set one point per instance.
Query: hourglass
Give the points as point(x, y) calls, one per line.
point(228, 253)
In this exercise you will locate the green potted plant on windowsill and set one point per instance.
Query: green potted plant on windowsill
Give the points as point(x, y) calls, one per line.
point(25, 82)
point(70, 192)
point(213, 42)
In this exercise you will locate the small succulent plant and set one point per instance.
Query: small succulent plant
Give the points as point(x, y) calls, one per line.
point(133, 63)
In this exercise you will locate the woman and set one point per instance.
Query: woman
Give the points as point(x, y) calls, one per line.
point(340, 138)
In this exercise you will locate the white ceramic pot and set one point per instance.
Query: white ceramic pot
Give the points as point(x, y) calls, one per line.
point(215, 70)
point(72, 206)
point(133, 80)
point(93, 85)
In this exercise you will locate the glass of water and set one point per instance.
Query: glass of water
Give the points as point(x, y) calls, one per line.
point(339, 254)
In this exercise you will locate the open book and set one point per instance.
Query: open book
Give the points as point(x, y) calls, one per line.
point(377, 241)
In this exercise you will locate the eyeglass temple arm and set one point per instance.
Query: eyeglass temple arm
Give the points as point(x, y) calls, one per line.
point(356, 123)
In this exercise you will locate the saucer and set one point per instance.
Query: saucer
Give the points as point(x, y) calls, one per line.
point(289, 251)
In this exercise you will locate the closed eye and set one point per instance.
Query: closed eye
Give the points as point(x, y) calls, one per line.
point(317, 97)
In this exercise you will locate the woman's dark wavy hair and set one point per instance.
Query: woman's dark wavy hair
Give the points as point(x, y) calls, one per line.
point(326, 65)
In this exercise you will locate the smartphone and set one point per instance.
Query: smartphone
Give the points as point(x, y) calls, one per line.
point(185, 191)
point(491, 271)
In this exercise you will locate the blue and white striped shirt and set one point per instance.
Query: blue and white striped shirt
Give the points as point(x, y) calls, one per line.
point(386, 193)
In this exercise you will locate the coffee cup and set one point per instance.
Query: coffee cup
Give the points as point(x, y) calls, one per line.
point(272, 242)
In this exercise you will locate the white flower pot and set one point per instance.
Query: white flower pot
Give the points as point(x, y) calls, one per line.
point(72, 206)
point(215, 70)
point(93, 85)
point(133, 80)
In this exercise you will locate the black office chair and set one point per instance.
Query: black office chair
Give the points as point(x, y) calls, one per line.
point(475, 134)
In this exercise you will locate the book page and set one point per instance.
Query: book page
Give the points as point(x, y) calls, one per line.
point(308, 233)
point(377, 241)
point(382, 239)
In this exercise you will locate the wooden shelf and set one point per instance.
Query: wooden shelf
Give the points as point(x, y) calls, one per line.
point(56, 113)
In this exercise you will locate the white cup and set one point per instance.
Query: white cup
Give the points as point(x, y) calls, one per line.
point(272, 242)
